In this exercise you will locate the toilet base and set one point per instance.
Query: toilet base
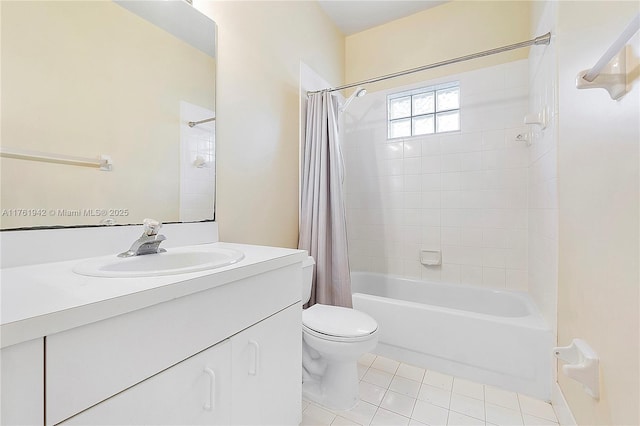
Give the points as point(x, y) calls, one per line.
point(336, 389)
point(330, 367)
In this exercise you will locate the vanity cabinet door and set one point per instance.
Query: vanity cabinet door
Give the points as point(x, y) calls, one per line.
point(267, 371)
point(88, 364)
point(197, 391)
point(22, 384)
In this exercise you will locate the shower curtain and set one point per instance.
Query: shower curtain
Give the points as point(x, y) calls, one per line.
point(323, 228)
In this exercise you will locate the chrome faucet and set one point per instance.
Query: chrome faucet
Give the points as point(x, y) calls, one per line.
point(149, 241)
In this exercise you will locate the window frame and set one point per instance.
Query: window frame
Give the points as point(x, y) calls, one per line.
point(434, 89)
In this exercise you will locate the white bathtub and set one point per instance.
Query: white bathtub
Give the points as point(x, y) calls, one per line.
point(490, 336)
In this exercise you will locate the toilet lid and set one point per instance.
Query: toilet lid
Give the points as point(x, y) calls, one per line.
point(338, 321)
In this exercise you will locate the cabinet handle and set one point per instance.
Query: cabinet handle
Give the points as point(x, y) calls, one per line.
point(253, 371)
point(212, 389)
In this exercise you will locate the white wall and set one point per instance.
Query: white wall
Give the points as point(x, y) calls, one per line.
point(599, 198)
point(449, 30)
point(260, 47)
point(464, 193)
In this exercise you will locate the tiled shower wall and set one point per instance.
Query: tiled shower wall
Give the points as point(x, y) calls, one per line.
point(543, 174)
point(462, 193)
point(197, 164)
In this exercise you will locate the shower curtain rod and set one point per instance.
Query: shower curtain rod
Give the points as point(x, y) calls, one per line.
point(544, 39)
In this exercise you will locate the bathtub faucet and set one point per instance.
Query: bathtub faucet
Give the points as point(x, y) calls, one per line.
point(149, 241)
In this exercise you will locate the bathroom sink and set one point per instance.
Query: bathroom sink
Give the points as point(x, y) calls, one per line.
point(174, 261)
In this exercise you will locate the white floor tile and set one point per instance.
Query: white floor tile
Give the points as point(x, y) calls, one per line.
point(468, 388)
point(430, 414)
point(537, 408)
point(371, 393)
point(388, 418)
point(466, 405)
point(501, 397)
point(502, 416)
point(397, 394)
point(439, 380)
point(314, 415)
point(537, 421)
point(457, 419)
point(362, 413)
point(398, 403)
point(341, 421)
point(385, 364)
point(378, 378)
point(411, 372)
point(366, 359)
point(435, 396)
point(362, 370)
point(405, 386)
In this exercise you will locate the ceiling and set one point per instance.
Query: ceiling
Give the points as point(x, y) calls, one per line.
point(353, 16)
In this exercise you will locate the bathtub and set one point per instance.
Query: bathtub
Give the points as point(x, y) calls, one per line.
point(495, 337)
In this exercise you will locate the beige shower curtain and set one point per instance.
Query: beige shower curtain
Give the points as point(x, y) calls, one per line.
point(323, 227)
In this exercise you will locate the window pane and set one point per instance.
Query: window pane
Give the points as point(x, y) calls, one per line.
point(448, 121)
point(400, 128)
point(400, 107)
point(423, 125)
point(423, 103)
point(449, 98)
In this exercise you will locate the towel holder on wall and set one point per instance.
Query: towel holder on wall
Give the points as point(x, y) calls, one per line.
point(103, 162)
point(610, 72)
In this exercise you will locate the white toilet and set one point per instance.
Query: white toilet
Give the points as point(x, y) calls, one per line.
point(333, 338)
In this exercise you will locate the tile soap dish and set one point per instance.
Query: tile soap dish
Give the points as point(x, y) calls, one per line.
point(430, 257)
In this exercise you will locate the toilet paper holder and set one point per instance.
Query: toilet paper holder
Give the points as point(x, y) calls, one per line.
point(581, 364)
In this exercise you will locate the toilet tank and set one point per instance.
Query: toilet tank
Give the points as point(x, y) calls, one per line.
point(307, 278)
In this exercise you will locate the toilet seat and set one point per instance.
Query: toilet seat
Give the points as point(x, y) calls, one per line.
point(336, 339)
point(337, 323)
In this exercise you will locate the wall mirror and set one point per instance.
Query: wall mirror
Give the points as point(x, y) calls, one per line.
point(97, 98)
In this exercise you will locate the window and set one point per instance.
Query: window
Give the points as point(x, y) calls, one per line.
point(424, 111)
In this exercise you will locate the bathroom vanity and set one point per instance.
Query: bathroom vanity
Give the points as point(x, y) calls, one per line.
point(219, 346)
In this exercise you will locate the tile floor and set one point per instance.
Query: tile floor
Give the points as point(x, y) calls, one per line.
point(393, 393)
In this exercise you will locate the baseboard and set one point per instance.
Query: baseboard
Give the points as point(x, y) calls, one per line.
point(560, 406)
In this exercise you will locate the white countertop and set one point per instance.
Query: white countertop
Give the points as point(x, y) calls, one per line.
point(39, 300)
